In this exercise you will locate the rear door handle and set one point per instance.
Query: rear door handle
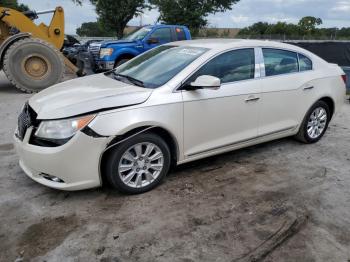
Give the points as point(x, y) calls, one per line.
point(252, 99)
point(308, 87)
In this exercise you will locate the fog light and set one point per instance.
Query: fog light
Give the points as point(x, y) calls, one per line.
point(52, 178)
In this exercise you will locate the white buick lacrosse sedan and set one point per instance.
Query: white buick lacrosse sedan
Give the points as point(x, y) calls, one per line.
point(174, 104)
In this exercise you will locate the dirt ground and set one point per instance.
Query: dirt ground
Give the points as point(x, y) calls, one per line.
point(280, 201)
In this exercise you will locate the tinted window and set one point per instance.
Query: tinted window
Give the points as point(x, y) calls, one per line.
point(162, 34)
point(305, 63)
point(279, 62)
point(180, 34)
point(230, 67)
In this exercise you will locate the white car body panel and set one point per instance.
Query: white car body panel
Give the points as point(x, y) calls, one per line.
point(206, 125)
point(87, 94)
point(202, 123)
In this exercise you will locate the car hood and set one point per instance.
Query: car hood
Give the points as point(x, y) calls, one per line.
point(84, 95)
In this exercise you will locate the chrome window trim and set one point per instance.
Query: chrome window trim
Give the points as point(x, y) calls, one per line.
point(260, 57)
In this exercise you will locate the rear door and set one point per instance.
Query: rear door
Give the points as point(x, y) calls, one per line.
point(284, 89)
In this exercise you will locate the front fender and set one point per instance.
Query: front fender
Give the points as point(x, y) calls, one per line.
point(119, 122)
point(124, 51)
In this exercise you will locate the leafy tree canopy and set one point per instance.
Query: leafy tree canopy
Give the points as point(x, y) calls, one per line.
point(192, 13)
point(307, 26)
point(114, 15)
point(93, 29)
point(14, 5)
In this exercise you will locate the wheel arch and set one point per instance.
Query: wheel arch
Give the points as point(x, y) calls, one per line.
point(8, 42)
point(330, 102)
point(123, 56)
point(165, 134)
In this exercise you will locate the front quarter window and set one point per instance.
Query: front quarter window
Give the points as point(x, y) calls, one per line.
point(159, 65)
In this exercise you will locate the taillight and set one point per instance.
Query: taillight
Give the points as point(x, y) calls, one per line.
point(345, 78)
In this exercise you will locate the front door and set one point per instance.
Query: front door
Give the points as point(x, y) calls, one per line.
point(215, 119)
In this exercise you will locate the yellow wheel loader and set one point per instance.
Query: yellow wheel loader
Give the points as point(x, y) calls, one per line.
point(30, 54)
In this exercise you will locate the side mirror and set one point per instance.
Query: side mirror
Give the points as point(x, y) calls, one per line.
point(152, 40)
point(204, 82)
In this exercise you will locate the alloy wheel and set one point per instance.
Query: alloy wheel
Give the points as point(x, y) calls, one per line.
point(317, 123)
point(140, 165)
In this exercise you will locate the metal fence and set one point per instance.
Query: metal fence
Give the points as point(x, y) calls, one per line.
point(284, 37)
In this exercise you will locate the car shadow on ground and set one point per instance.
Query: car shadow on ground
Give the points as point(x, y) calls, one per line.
point(206, 165)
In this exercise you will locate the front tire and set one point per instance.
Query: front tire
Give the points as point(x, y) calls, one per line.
point(139, 164)
point(315, 123)
point(121, 61)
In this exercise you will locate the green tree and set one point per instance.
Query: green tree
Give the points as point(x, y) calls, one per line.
point(259, 28)
point(114, 15)
point(14, 5)
point(308, 24)
point(93, 29)
point(192, 13)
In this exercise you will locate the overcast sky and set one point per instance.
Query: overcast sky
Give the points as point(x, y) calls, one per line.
point(334, 13)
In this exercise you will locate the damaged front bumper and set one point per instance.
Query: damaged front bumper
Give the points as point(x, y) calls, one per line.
point(72, 166)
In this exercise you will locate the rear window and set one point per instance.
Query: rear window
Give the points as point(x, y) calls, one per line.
point(305, 64)
point(180, 33)
point(278, 62)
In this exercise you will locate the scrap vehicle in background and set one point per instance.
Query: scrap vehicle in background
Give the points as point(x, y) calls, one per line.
point(30, 54)
point(106, 55)
point(74, 52)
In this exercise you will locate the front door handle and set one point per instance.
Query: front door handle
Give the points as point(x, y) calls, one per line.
point(308, 87)
point(252, 99)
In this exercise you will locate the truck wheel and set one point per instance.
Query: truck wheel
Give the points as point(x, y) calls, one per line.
point(31, 65)
point(120, 62)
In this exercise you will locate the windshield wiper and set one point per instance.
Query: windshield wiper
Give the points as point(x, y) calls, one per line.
point(130, 79)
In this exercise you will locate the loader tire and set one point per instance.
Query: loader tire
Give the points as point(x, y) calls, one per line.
point(32, 65)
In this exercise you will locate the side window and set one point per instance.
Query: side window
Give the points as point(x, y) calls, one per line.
point(278, 62)
point(162, 34)
point(305, 64)
point(232, 66)
point(180, 34)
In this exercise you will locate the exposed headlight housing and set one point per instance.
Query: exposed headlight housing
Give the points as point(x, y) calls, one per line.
point(105, 52)
point(62, 129)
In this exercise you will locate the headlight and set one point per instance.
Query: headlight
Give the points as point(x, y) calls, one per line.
point(62, 129)
point(105, 52)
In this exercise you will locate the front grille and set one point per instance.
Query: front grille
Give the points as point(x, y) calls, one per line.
point(95, 51)
point(26, 119)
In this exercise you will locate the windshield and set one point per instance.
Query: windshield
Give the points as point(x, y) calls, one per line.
point(138, 34)
point(158, 66)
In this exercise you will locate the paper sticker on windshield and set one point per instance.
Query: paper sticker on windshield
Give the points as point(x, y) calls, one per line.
point(192, 52)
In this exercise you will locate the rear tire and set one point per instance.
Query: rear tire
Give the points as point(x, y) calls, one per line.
point(315, 123)
point(139, 164)
point(32, 65)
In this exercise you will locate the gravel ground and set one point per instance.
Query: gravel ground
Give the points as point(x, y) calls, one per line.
point(280, 201)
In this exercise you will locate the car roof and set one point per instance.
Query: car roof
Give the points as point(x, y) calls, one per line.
point(222, 44)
